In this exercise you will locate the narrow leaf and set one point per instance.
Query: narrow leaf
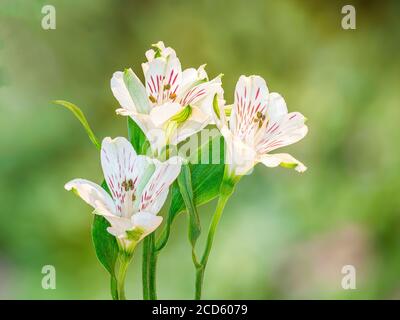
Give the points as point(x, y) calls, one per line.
point(105, 244)
point(185, 188)
point(205, 179)
point(82, 119)
point(137, 137)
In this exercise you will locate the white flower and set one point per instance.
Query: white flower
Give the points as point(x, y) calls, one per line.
point(173, 104)
point(138, 186)
point(259, 123)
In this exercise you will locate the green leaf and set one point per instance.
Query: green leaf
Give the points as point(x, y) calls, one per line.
point(81, 117)
point(105, 245)
point(137, 91)
point(137, 137)
point(206, 180)
point(185, 188)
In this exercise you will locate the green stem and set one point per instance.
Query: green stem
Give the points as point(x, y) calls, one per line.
point(145, 269)
point(226, 191)
point(114, 288)
point(149, 268)
point(199, 282)
point(123, 266)
point(152, 269)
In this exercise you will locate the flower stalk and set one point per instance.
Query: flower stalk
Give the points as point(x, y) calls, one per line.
point(123, 260)
point(149, 267)
point(227, 188)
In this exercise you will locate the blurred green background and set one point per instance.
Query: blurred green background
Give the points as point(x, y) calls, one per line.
point(283, 234)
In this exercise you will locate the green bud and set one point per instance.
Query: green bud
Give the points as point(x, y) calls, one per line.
point(157, 50)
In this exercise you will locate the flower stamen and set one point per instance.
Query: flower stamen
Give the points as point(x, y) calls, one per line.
point(125, 185)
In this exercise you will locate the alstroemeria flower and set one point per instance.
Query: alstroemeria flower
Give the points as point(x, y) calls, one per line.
point(173, 104)
point(138, 185)
point(259, 123)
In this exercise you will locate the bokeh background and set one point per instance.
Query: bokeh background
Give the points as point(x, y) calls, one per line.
point(283, 235)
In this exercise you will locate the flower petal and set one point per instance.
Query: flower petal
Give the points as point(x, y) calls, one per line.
point(282, 159)
point(156, 191)
point(239, 157)
point(94, 195)
point(190, 78)
point(123, 171)
point(160, 114)
point(200, 92)
point(195, 123)
point(251, 95)
point(121, 92)
point(146, 221)
point(159, 48)
point(119, 226)
point(155, 135)
point(288, 130)
point(129, 91)
point(163, 77)
point(276, 107)
point(212, 88)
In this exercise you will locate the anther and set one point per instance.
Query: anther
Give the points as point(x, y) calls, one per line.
point(125, 185)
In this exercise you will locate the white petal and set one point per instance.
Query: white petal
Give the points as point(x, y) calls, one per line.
point(160, 114)
point(163, 77)
point(200, 92)
point(173, 77)
point(213, 87)
point(155, 135)
point(283, 159)
point(191, 77)
point(276, 107)
point(142, 120)
point(239, 157)
point(195, 123)
point(146, 221)
point(121, 92)
point(94, 195)
point(251, 95)
point(164, 52)
point(122, 166)
point(154, 76)
point(154, 194)
point(288, 130)
point(121, 83)
point(119, 225)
